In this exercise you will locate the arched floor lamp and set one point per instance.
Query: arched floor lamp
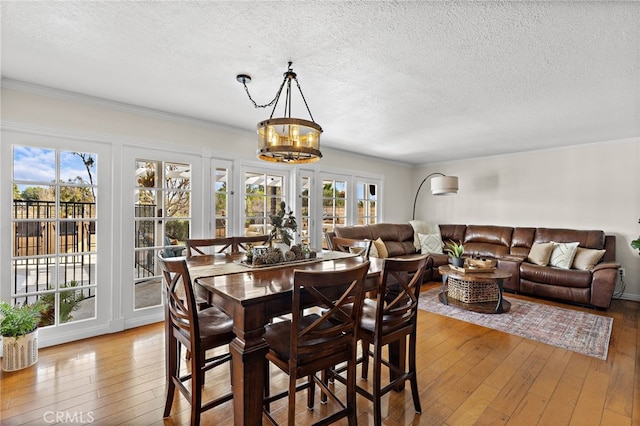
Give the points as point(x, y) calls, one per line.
point(440, 185)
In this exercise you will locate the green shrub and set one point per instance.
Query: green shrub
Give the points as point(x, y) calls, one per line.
point(18, 320)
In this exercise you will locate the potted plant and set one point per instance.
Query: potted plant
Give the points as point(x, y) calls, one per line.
point(69, 301)
point(19, 330)
point(636, 244)
point(455, 250)
point(249, 255)
point(283, 225)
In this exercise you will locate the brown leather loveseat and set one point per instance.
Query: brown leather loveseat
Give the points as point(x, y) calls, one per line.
point(584, 283)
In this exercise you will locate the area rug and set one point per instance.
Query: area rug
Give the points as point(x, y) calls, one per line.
point(575, 331)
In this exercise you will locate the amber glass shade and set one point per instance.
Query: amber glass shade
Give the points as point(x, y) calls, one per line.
point(289, 140)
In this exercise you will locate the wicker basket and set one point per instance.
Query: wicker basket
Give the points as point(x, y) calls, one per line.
point(472, 291)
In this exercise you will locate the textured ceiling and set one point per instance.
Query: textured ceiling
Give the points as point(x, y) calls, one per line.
point(409, 81)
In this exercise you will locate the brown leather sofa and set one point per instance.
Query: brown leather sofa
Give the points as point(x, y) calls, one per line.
point(510, 247)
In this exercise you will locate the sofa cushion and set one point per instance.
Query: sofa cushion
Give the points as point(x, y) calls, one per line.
point(555, 276)
point(487, 240)
point(452, 232)
point(430, 243)
point(356, 232)
point(540, 253)
point(587, 259)
point(586, 239)
point(521, 241)
point(398, 238)
point(563, 254)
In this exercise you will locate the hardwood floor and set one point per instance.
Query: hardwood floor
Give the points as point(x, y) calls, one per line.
point(467, 375)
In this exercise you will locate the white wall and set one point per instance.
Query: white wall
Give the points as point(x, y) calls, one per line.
point(131, 125)
point(592, 186)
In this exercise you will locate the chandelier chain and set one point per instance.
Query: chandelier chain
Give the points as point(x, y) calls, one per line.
point(304, 100)
point(274, 100)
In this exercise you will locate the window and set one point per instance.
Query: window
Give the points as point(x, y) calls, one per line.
point(367, 203)
point(54, 241)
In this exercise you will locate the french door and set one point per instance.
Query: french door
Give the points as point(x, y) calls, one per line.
point(57, 193)
point(157, 220)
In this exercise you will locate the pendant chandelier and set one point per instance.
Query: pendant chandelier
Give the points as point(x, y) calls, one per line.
point(286, 140)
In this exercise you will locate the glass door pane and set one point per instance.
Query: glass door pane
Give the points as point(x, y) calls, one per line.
point(334, 204)
point(222, 192)
point(304, 226)
point(263, 195)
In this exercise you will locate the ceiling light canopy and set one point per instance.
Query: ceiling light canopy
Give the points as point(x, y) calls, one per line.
point(287, 139)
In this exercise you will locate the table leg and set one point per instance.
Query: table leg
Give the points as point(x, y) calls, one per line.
point(248, 351)
point(248, 382)
point(445, 277)
point(499, 306)
point(398, 358)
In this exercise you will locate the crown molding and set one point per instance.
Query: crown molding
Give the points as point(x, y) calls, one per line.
point(64, 95)
point(84, 135)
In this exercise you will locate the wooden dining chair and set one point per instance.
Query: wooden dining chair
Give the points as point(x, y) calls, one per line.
point(241, 244)
point(316, 339)
point(349, 245)
point(388, 320)
point(196, 330)
point(204, 246)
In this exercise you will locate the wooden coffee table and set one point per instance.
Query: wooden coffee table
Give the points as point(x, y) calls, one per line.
point(481, 291)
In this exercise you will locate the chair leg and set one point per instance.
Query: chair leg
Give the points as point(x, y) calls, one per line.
point(197, 382)
point(414, 375)
point(311, 393)
point(377, 384)
point(326, 377)
point(291, 412)
point(171, 371)
point(351, 391)
point(365, 360)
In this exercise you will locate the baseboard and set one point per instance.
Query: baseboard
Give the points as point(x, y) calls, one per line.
point(628, 296)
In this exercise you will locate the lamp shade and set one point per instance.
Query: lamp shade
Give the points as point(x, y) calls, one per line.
point(444, 185)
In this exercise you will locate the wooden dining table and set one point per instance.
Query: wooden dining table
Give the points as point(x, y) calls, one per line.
point(252, 296)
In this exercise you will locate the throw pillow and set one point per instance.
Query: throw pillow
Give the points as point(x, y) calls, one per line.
point(563, 254)
point(423, 227)
point(587, 259)
point(373, 251)
point(430, 243)
point(380, 248)
point(540, 253)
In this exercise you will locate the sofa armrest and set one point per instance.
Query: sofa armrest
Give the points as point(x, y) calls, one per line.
point(511, 264)
point(606, 265)
point(603, 283)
